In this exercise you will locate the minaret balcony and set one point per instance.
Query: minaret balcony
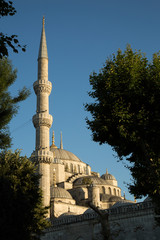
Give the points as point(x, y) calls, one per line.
point(42, 156)
point(42, 119)
point(42, 86)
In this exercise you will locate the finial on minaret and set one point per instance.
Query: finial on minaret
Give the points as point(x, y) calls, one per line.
point(61, 143)
point(53, 141)
point(43, 21)
point(106, 171)
point(53, 138)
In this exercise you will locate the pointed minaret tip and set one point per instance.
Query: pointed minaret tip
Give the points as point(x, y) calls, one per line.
point(53, 141)
point(43, 44)
point(61, 143)
point(43, 21)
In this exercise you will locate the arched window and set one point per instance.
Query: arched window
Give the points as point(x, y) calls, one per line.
point(71, 167)
point(110, 192)
point(103, 190)
point(118, 192)
point(114, 191)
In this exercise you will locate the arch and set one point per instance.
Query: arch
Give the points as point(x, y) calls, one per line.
point(71, 167)
point(110, 191)
point(118, 193)
point(103, 190)
point(114, 190)
point(66, 167)
point(79, 169)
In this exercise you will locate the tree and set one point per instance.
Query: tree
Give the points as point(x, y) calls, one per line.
point(8, 104)
point(22, 213)
point(104, 220)
point(6, 8)
point(126, 115)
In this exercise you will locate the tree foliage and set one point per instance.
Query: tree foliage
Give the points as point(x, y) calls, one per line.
point(22, 214)
point(8, 103)
point(7, 9)
point(126, 115)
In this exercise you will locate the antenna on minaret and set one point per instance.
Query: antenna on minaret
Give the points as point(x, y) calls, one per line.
point(61, 143)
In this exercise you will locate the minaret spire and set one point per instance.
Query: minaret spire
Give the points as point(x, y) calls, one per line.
point(43, 44)
point(53, 141)
point(42, 120)
point(61, 143)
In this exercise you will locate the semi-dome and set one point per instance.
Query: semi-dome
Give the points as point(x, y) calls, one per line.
point(64, 155)
point(108, 176)
point(57, 192)
point(88, 180)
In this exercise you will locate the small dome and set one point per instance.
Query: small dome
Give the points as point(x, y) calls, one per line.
point(64, 154)
point(104, 197)
point(66, 214)
point(108, 176)
point(88, 180)
point(57, 192)
point(122, 203)
point(115, 199)
point(148, 199)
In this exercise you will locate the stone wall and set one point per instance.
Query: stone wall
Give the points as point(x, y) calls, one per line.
point(128, 222)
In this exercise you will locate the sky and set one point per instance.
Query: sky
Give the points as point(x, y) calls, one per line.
point(81, 35)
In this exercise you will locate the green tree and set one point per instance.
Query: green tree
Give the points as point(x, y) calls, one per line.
point(22, 213)
point(7, 9)
point(8, 104)
point(126, 115)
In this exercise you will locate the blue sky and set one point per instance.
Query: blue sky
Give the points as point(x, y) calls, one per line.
point(81, 34)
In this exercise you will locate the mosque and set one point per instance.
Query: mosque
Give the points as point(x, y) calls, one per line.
point(69, 186)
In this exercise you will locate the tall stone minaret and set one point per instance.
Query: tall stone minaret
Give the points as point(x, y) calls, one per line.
point(42, 120)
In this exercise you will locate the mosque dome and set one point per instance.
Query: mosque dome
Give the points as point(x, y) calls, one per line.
point(88, 180)
point(115, 199)
point(105, 197)
point(64, 155)
point(66, 214)
point(122, 203)
point(147, 199)
point(108, 176)
point(57, 192)
point(61, 154)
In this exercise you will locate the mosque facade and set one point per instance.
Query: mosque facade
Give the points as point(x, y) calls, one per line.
point(69, 186)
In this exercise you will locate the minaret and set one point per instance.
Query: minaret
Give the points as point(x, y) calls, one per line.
point(42, 120)
point(61, 143)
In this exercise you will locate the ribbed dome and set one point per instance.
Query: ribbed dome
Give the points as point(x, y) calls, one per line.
point(57, 192)
point(122, 203)
point(115, 199)
point(66, 214)
point(87, 180)
point(64, 154)
point(108, 176)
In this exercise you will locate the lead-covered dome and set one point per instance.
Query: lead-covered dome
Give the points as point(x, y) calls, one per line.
point(57, 192)
point(64, 155)
point(108, 176)
point(88, 180)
